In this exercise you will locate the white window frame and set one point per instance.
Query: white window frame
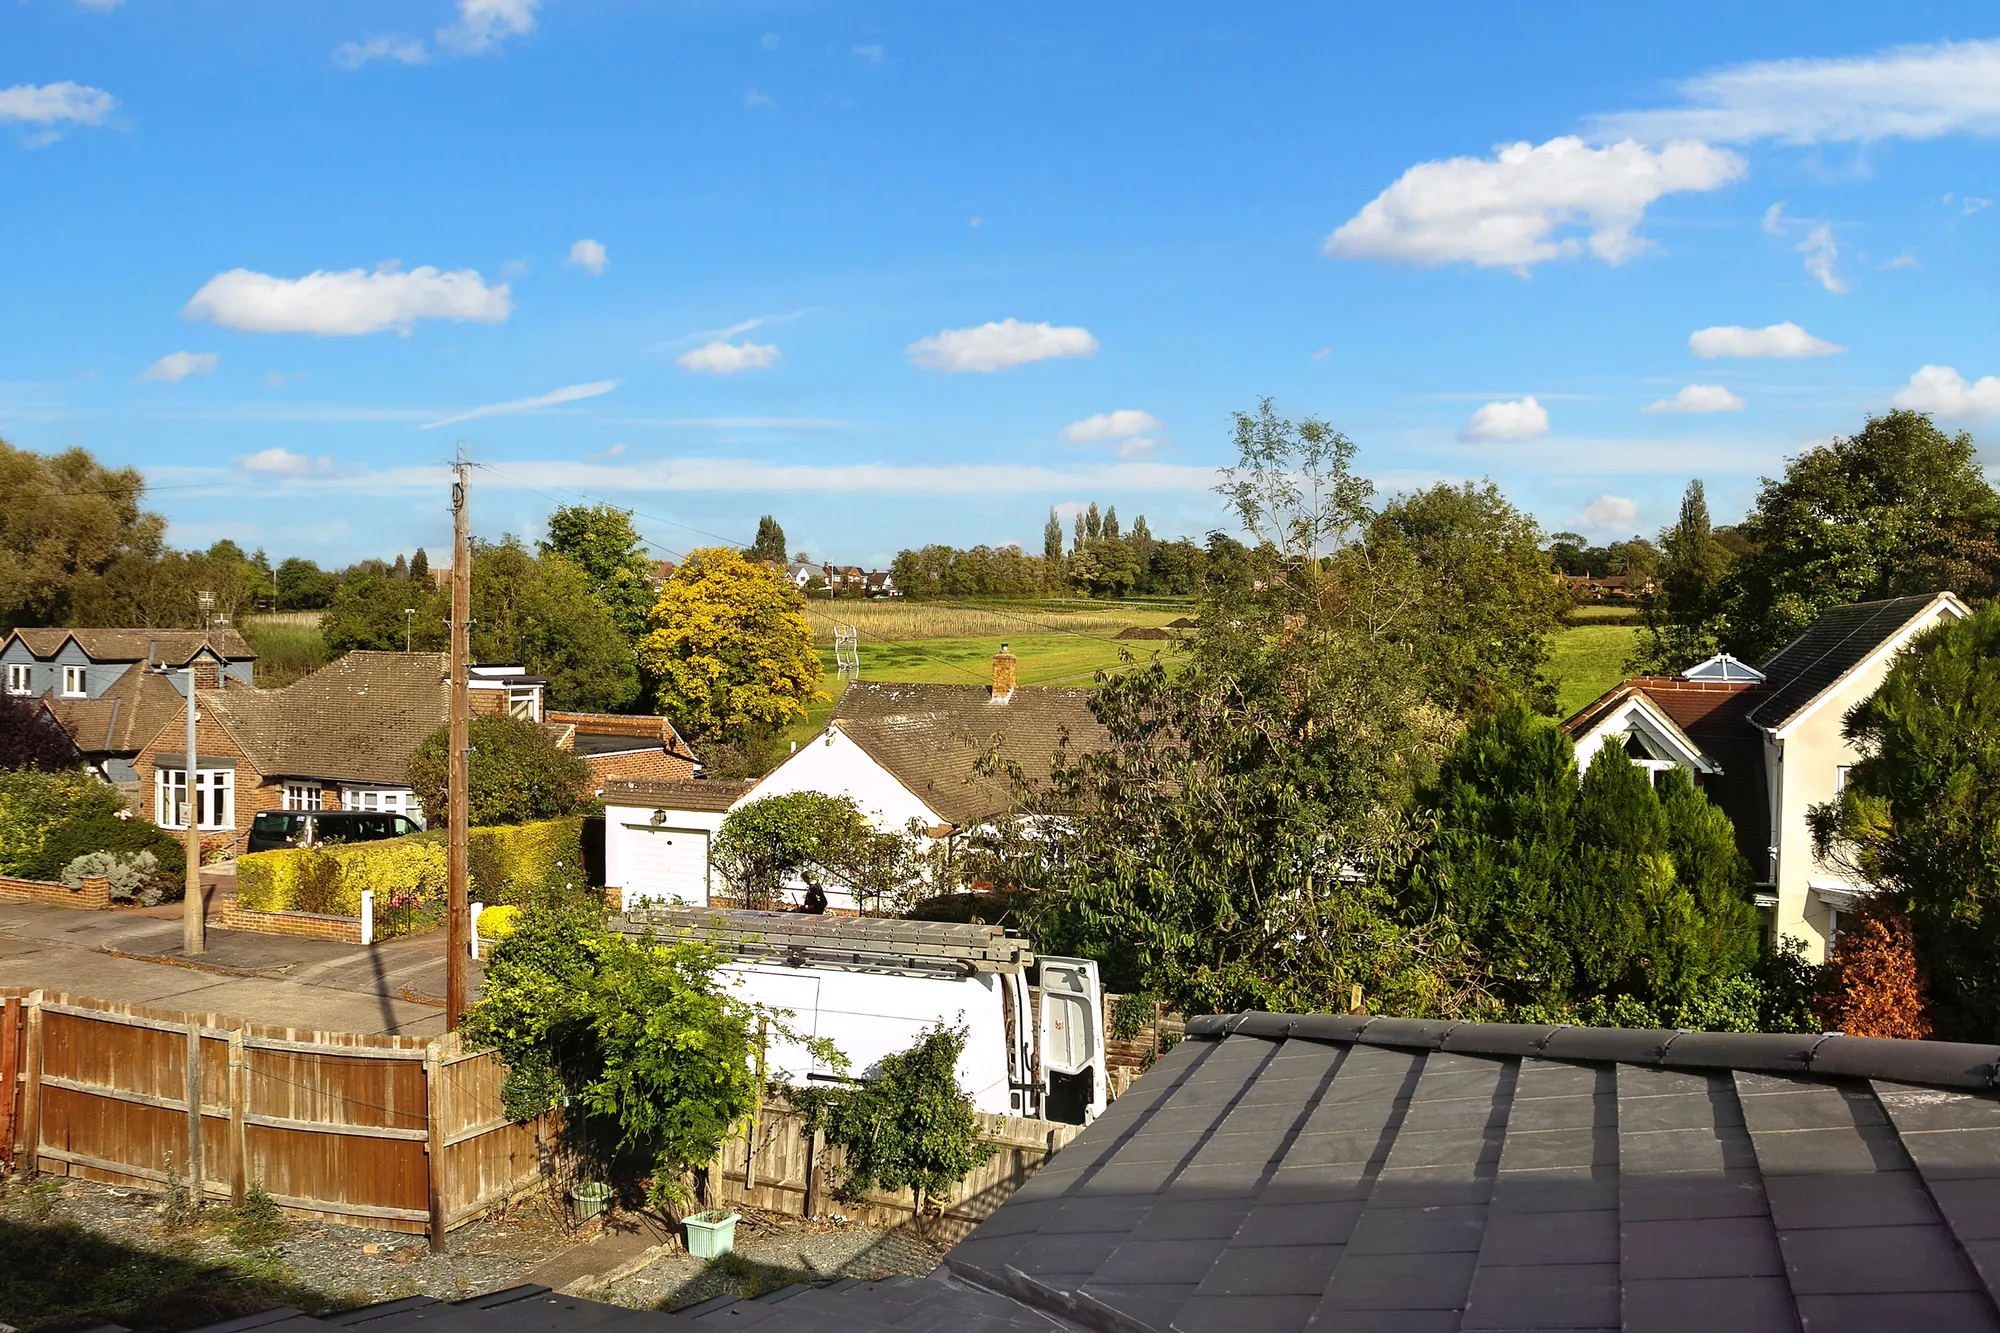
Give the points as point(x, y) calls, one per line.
point(1840, 772)
point(75, 682)
point(393, 800)
point(214, 793)
point(20, 678)
point(302, 796)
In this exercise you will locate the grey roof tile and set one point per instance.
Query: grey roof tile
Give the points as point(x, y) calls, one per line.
point(1970, 1207)
point(1530, 1239)
point(1399, 1282)
point(1143, 1261)
point(1837, 1260)
point(1700, 1248)
point(1736, 1304)
point(1271, 1270)
point(1235, 1314)
point(1879, 1198)
point(1191, 1219)
point(1902, 1312)
point(1855, 1150)
point(1915, 1109)
point(1297, 1224)
point(1449, 1229)
point(1712, 1193)
point(1544, 1296)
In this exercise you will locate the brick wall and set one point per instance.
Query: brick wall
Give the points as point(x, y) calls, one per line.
point(641, 765)
point(613, 724)
point(309, 925)
point(253, 793)
point(95, 895)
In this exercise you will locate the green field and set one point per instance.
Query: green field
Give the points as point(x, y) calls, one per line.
point(1045, 659)
point(1589, 660)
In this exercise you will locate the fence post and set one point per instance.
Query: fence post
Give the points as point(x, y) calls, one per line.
point(367, 916)
point(31, 1090)
point(196, 1177)
point(815, 1146)
point(10, 1068)
point(434, 1146)
point(239, 1110)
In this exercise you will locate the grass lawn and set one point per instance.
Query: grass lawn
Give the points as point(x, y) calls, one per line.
point(1045, 659)
point(1588, 660)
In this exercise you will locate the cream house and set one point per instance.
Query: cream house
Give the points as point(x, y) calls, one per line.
point(1765, 743)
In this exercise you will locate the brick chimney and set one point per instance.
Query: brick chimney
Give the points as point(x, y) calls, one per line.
point(208, 674)
point(1006, 671)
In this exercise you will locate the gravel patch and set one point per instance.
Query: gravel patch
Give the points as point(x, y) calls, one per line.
point(772, 1251)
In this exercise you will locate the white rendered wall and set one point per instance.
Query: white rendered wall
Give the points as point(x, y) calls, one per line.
point(618, 858)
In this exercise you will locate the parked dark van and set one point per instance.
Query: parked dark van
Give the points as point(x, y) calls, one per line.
point(275, 830)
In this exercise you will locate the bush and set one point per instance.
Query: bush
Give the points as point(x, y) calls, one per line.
point(515, 865)
point(1872, 986)
point(258, 1224)
point(34, 806)
point(516, 774)
point(909, 1126)
point(130, 876)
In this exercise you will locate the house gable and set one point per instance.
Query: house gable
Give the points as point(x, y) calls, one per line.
point(1638, 716)
point(1834, 660)
point(834, 763)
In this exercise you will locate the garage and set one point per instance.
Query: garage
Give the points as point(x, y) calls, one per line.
point(667, 865)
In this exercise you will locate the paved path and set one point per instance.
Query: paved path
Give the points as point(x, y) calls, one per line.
point(393, 987)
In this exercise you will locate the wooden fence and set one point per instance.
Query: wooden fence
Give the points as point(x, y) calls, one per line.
point(793, 1172)
point(400, 1133)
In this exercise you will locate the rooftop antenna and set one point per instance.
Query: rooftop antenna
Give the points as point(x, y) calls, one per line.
point(847, 652)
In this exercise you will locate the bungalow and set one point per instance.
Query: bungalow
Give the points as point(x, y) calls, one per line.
point(1766, 744)
point(113, 689)
point(343, 738)
point(902, 752)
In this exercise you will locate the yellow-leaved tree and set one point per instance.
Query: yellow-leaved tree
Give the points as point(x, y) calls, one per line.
point(730, 653)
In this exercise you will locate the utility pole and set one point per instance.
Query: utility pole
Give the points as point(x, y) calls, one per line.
point(193, 934)
point(409, 625)
point(458, 745)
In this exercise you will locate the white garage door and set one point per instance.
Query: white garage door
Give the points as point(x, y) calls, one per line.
point(668, 865)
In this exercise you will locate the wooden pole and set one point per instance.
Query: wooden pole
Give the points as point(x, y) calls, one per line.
point(456, 766)
point(31, 1090)
point(10, 1069)
point(193, 938)
point(196, 1178)
point(239, 1110)
point(434, 1146)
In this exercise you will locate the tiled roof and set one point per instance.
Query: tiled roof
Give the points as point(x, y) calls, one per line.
point(1714, 716)
point(123, 718)
point(1339, 1172)
point(1835, 644)
point(703, 794)
point(931, 737)
point(171, 646)
point(358, 719)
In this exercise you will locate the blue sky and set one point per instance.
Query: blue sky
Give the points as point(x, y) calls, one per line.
point(903, 274)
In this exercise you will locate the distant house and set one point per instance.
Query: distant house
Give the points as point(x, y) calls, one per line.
point(343, 737)
point(662, 570)
point(1766, 744)
point(801, 573)
point(1608, 587)
point(879, 583)
point(844, 577)
point(902, 752)
point(112, 689)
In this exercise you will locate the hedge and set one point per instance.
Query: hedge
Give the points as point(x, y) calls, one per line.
point(509, 864)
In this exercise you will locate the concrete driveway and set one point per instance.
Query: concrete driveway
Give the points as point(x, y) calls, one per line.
point(393, 987)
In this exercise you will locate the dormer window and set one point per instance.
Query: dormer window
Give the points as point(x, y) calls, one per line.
point(19, 676)
point(72, 682)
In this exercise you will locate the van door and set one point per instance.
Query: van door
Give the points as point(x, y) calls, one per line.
point(1072, 1041)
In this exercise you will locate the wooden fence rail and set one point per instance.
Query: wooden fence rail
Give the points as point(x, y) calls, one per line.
point(400, 1133)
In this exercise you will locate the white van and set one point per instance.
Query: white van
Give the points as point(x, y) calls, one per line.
point(871, 985)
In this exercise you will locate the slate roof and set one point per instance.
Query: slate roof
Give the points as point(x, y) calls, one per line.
point(931, 737)
point(1832, 646)
point(172, 646)
point(123, 718)
point(1279, 1172)
point(358, 719)
point(704, 794)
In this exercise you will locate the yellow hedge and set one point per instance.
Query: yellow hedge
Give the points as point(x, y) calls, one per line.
point(508, 865)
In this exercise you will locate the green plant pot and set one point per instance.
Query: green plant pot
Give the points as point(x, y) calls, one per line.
point(712, 1234)
point(588, 1199)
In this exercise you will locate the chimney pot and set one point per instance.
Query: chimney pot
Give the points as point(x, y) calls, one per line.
point(1006, 672)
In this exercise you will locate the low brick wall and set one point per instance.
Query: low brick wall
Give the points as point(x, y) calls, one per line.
point(95, 895)
point(309, 925)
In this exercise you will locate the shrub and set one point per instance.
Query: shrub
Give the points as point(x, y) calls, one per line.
point(909, 1126)
point(130, 876)
point(1872, 986)
point(34, 806)
point(497, 923)
point(516, 774)
point(517, 863)
point(258, 1224)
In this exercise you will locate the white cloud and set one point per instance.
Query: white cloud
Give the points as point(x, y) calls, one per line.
point(281, 462)
point(1943, 391)
point(515, 407)
point(404, 50)
point(99, 6)
point(1820, 251)
point(1520, 419)
point(769, 41)
point(1138, 446)
point(1612, 515)
point(1774, 219)
point(177, 366)
point(1322, 354)
point(484, 24)
point(1910, 92)
point(1699, 398)
point(1904, 260)
point(871, 54)
point(346, 303)
point(1785, 341)
point(589, 255)
point(1974, 204)
point(1506, 211)
point(727, 358)
point(999, 346)
point(755, 98)
point(615, 451)
point(52, 106)
point(1119, 425)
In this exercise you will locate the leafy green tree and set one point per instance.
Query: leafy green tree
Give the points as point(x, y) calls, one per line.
point(601, 540)
point(766, 842)
point(909, 1126)
point(1680, 618)
point(304, 586)
point(1111, 524)
point(543, 615)
point(650, 1054)
point(1898, 508)
point(770, 542)
point(730, 647)
point(69, 527)
point(31, 739)
point(1052, 540)
point(420, 566)
point(367, 612)
point(515, 774)
point(1093, 524)
point(1918, 814)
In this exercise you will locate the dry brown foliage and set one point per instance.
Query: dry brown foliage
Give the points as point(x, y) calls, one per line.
point(1872, 986)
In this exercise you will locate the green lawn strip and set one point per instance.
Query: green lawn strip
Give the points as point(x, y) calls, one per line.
point(1588, 660)
point(1065, 659)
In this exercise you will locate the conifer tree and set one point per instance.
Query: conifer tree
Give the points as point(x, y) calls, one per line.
point(1111, 524)
point(1093, 524)
point(420, 566)
point(1052, 539)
